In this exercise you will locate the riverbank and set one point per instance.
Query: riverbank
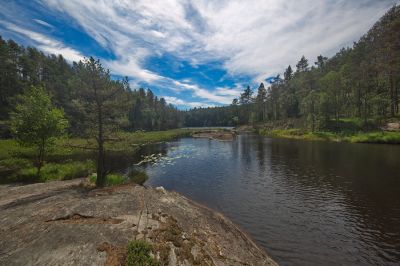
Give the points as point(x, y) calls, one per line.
point(68, 222)
point(72, 157)
point(221, 135)
point(378, 137)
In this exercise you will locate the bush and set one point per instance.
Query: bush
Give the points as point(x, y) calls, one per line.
point(114, 179)
point(138, 177)
point(53, 171)
point(111, 179)
point(376, 137)
point(15, 163)
point(139, 254)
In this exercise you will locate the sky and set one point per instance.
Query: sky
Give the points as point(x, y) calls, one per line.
point(193, 53)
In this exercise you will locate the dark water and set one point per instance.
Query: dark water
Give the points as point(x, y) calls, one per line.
point(306, 203)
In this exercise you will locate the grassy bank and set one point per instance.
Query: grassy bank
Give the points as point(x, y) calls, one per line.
point(354, 137)
point(71, 157)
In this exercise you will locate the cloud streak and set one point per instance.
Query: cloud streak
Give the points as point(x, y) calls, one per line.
point(45, 43)
point(252, 38)
point(256, 38)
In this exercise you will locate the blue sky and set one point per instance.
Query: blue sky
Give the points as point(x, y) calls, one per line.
point(193, 53)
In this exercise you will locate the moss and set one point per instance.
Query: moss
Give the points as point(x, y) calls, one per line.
point(139, 254)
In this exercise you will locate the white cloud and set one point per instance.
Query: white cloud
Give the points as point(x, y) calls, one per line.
point(221, 96)
point(260, 38)
point(256, 38)
point(179, 102)
point(253, 38)
point(45, 43)
point(43, 23)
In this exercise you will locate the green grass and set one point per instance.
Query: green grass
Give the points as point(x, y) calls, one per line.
point(50, 171)
point(134, 176)
point(375, 137)
point(10, 148)
point(139, 254)
point(111, 179)
point(354, 137)
point(67, 159)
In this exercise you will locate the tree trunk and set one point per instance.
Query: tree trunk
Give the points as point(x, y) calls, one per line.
point(392, 97)
point(100, 181)
point(40, 158)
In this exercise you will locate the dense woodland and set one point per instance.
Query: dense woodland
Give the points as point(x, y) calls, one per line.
point(359, 82)
point(22, 68)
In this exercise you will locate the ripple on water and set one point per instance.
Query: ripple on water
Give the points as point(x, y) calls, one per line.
point(306, 203)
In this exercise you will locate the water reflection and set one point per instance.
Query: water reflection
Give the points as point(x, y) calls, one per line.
point(307, 203)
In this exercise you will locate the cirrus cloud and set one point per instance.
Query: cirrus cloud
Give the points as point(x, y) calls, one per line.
point(249, 39)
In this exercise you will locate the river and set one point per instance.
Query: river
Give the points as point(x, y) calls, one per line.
point(306, 203)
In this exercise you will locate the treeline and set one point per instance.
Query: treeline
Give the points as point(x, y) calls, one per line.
point(21, 68)
point(359, 82)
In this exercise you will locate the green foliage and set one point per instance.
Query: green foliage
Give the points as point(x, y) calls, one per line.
point(50, 171)
point(35, 120)
point(15, 163)
point(37, 123)
point(139, 254)
point(11, 148)
point(147, 112)
point(14, 157)
point(138, 177)
point(360, 82)
point(349, 136)
point(114, 179)
point(22, 68)
point(376, 137)
point(110, 179)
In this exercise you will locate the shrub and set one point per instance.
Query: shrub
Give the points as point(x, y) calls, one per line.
point(138, 177)
point(53, 171)
point(139, 254)
point(111, 179)
point(15, 163)
point(114, 179)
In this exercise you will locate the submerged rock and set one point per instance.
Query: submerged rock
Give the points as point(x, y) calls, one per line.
point(64, 223)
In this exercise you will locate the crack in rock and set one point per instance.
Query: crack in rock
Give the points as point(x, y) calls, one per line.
point(77, 218)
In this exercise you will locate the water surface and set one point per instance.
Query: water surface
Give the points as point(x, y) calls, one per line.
point(306, 203)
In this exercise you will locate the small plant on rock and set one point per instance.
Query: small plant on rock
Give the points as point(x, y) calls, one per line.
point(139, 254)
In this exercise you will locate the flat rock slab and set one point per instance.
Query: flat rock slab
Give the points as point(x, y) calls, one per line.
point(65, 223)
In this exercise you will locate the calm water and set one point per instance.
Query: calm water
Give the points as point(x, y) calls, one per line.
point(306, 203)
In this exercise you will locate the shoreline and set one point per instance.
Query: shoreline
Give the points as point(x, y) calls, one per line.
point(62, 221)
point(220, 135)
point(374, 137)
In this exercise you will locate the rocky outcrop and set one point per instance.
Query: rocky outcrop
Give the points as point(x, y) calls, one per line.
point(393, 126)
point(65, 223)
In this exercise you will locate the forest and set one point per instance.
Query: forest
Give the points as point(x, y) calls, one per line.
point(22, 68)
point(360, 84)
point(43, 97)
